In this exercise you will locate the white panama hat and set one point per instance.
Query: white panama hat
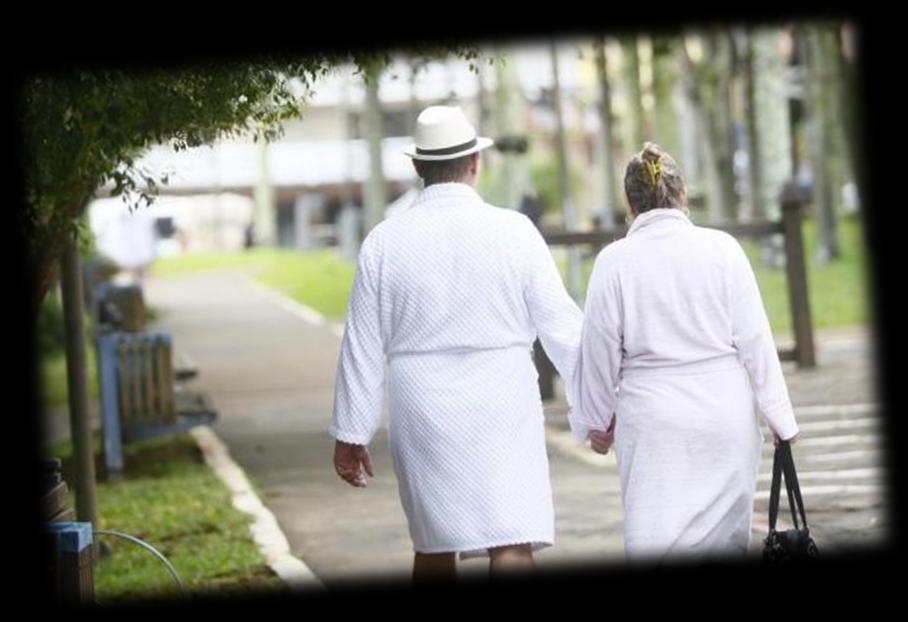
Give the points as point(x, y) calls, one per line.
point(443, 133)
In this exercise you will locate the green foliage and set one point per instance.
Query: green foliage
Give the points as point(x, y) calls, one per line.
point(87, 129)
point(546, 180)
point(50, 327)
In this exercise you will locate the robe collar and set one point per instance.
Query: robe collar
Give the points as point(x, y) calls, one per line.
point(659, 214)
point(449, 191)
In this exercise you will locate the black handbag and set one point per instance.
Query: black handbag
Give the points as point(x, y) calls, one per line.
point(792, 545)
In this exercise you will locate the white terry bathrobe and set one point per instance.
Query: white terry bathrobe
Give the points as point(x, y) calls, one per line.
point(453, 292)
point(677, 346)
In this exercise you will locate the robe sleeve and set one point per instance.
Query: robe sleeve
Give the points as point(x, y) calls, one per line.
point(555, 316)
point(359, 381)
point(599, 364)
point(752, 337)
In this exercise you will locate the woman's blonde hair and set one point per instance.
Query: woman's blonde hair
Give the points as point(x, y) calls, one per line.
point(653, 179)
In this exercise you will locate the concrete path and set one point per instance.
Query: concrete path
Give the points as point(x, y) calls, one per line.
point(269, 367)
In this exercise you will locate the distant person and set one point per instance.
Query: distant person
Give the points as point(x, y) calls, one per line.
point(136, 250)
point(249, 236)
point(530, 207)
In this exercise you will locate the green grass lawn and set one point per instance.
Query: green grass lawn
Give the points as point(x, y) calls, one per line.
point(320, 279)
point(53, 378)
point(838, 290)
point(171, 499)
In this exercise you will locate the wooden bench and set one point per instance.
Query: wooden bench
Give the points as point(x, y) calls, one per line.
point(140, 396)
point(55, 500)
point(122, 307)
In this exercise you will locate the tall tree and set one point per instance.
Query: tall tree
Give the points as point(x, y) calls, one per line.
point(845, 45)
point(721, 50)
point(416, 65)
point(694, 79)
point(757, 210)
point(772, 115)
point(567, 200)
point(87, 128)
point(483, 122)
point(665, 82)
point(375, 197)
point(823, 134)
point(607, 135)
point(708, 86)
point(630, 62)
point(510, 124)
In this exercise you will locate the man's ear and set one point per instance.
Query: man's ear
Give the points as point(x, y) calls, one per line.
point(474, 163)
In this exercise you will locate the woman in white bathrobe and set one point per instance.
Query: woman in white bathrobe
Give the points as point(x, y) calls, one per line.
point(453, 293)
point(676, 348)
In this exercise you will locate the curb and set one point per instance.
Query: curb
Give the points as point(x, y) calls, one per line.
point(265, 530)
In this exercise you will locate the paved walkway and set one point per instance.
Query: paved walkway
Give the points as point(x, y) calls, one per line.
point(269, 368)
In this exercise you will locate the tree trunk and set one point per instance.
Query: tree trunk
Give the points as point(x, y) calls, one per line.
point(757, 209)
point(76, 383)
point(414, 100)
point(772, 117)
point(567, 203)
point(482, 95)
point(848, 87)
point(631, 70)
point(265, 208)
point(611, 193)
point(689, 136)
point(44, 252)
point(821, 128)
point(665, 80)
point(697, 82)
point(510, 110)
point(376, 191)
point(721, 126)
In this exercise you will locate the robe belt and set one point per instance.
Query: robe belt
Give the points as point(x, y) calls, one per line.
point(726, 362)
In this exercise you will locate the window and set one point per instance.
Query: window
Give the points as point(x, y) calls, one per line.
point(394, 123)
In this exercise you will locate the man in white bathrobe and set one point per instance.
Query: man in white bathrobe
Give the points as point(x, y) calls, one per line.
point(452, 293)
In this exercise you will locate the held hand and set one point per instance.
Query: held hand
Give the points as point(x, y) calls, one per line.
point(350, 462)
point(602, 440)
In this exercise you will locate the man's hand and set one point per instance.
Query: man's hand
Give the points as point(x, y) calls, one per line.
point(602, 440)
point(350, 461)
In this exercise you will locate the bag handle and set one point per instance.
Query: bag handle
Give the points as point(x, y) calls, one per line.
point(791, 483)
point(783, 462)
point(774, 489)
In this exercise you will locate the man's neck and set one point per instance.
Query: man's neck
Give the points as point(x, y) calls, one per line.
point(465, 182)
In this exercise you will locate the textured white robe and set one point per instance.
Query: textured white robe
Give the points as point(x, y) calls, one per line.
point(453, 292)
point(676, 345)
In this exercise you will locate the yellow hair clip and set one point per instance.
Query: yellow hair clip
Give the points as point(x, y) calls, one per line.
point(655, 169)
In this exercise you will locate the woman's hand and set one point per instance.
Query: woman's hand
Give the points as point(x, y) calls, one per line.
point(350, 461)
point(602, 440)
point(791, 441)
